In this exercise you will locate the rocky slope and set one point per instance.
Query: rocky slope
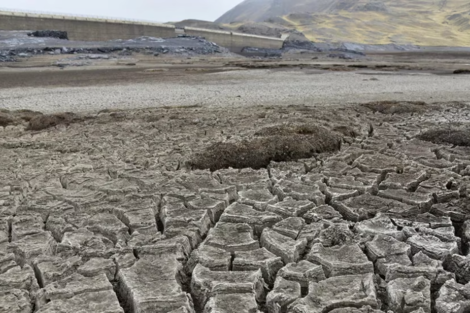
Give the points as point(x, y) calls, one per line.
point(423, 22)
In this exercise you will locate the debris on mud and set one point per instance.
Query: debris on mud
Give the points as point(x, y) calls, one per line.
point(47, 121)
point(277, 143)
point(6, 57)
point(396, 107)
point(263, 53)
point(16, 43)
point(50, 33)
point(449, 135)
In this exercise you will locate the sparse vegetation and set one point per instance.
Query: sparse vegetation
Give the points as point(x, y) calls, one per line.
point(396, 107)
point(276, 143)
point(47, 121)
point(450, 135)
point(16, 117)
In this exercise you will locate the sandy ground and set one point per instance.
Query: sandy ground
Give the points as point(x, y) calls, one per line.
point(239, 88)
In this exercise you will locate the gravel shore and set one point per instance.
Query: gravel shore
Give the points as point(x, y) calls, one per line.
point(244, 88)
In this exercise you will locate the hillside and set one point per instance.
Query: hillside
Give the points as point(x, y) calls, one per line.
point(422, 22)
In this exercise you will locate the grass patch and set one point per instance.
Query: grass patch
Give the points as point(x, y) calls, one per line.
point(277, 143)
point(456, 137)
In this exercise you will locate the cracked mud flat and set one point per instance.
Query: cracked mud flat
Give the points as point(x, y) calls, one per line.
point(104, 215)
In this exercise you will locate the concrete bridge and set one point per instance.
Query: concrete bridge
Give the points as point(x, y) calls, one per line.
point(102, 29)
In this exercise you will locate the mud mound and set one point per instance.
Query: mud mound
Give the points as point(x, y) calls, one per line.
point(16, 117)
point(346, 131)
point(396, 107)
point(462, 71)
point(46, 121)
point(292, 129)
point(456, 137)
point(6, 119)
point(26, 115)
point(278, 143)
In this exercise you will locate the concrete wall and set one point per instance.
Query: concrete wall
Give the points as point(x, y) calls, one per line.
point(235, 41)
point(93, 29)
point(86, 29)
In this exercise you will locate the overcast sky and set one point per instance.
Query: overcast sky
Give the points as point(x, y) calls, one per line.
point(153, 10)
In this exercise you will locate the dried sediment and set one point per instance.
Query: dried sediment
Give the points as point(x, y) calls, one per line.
point(103, 216)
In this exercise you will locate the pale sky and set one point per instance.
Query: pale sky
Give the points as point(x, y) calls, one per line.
point(152, 10)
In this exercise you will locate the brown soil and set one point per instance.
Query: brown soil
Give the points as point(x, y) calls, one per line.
point(456, 137)
point(396, 107)
point(278, 143)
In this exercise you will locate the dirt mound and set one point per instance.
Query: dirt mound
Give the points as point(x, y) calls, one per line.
point(16, 117)
point(277, 143)
point(396, 107)
point(347, 131)
point(26, 115)
point(46, 121)
point(6, 119)
point(456, 137)
point(462, 71)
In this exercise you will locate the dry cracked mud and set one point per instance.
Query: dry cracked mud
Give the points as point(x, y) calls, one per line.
point(106, 215)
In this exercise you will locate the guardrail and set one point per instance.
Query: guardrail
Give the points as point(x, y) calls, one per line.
point(76, 16)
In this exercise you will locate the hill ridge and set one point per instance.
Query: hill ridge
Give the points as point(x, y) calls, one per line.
point(420, 22)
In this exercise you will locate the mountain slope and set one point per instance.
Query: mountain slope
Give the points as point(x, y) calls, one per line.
point(422, 22)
